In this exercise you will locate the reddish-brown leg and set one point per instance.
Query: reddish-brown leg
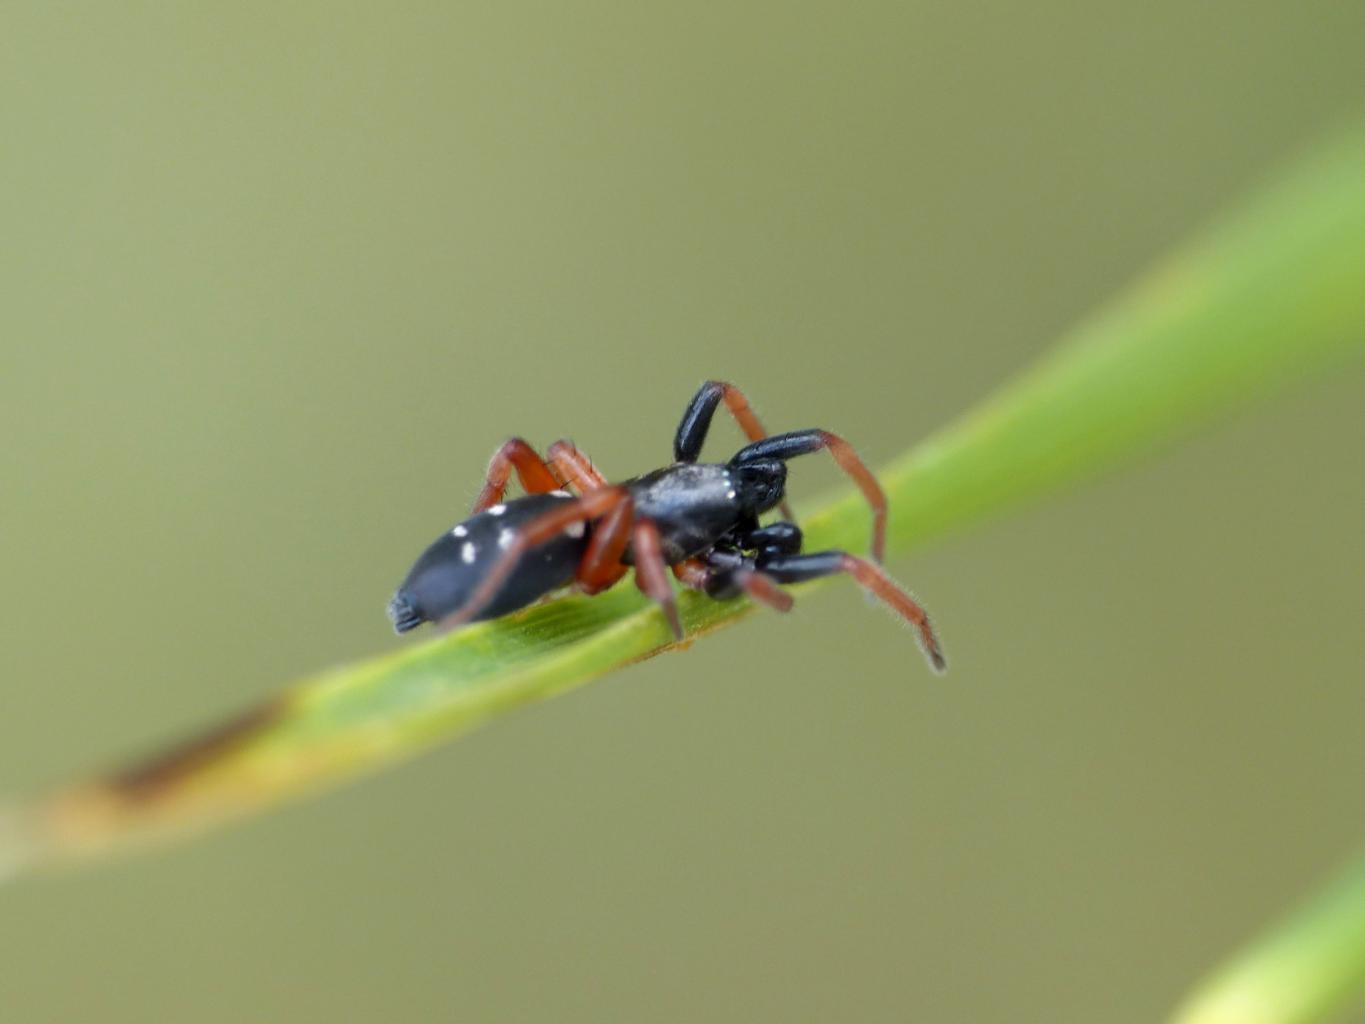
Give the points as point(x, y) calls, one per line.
point(695, 573)
point(875, 581)
point(849, 462)
point(601, 565)
point(741, 410)
point(812, 566)
point(590, 506)
point(531, 469)
point(651, 574)
point(762, 589)
point(692, 573)
point(574, 469)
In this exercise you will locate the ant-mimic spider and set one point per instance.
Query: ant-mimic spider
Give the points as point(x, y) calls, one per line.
point(699, 519)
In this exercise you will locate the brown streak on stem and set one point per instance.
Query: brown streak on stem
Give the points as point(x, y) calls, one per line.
point(145, 781)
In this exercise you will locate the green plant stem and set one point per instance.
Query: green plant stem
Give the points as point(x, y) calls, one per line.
point(1274, 292)
point(1306, 969)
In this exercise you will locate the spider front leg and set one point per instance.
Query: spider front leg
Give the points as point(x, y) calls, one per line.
point(803, 442)
point(696, 422)
point(535, 476)
point(716, 577)
point(800, 568)
point(724, 572)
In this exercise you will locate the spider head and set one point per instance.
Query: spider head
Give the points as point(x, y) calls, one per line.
point(760, 484)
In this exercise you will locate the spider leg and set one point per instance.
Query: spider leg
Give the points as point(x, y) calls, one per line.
point(722, 582)
point(799, 568)
point(601, 566)
point(531, 469)
point(574, 468)
point(764, 589)
point(803, 442)
point(693, 574)
point(651, 574)
point(537, 531)
point(696, 422)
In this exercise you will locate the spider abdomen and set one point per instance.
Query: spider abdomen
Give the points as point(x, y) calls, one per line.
point(446, 574)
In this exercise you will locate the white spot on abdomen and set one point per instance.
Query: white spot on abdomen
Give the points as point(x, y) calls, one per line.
point(460, 531)
point(730, 495)
point(505, 539)
point(467, 552)
point(497, 510)
point(575, 530)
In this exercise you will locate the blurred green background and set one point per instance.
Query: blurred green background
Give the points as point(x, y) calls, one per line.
point(276, 280)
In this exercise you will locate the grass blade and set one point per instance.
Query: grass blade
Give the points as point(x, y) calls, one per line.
point(1307, 969)
point(1274, 292)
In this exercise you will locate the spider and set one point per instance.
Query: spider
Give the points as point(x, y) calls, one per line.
point(699, 519)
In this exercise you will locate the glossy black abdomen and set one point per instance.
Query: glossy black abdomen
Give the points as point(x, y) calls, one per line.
point(447, 573)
